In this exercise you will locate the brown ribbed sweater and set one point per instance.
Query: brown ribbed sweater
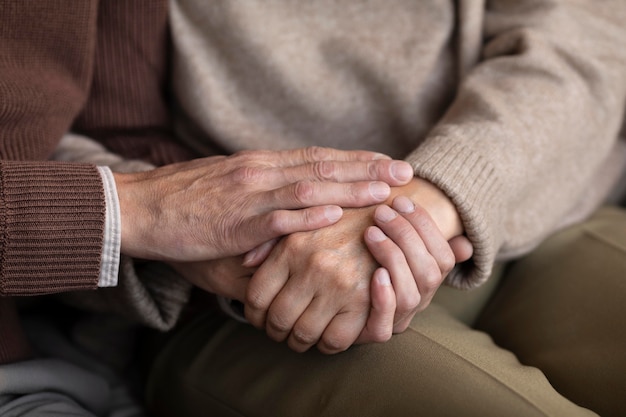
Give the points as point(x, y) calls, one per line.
point(95, 68)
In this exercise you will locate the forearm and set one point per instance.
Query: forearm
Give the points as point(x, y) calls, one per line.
point(523, 146)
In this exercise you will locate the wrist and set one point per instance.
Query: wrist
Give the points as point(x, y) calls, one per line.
point(435, 202)
point(134, 217)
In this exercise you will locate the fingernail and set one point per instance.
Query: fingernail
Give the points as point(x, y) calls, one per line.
point(379, 190)
point(383, 278)
point(385, 214)
point(333, 213)
point(249, 257)
point(380, 156)
point(401, 171)
point(403, 205)
point(375, 234)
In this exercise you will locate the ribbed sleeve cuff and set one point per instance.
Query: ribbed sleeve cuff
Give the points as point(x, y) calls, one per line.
point(472, 184)
point(112, 241)
point(52, 219)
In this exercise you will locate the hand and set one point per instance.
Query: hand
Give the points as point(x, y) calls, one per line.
point(307, 280)
point(415, 258)
point(314, 287)
point(223, 206)
point(227, 277)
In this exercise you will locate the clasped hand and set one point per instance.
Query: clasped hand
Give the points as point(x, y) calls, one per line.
point(326, 288)
point(356, 281)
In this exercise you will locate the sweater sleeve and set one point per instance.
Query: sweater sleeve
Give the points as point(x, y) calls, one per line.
point(149, 293)
point(51, 214)
point(128, 107)
point(532, 125)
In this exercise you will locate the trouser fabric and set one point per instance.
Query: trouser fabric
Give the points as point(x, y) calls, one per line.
point(560, 310)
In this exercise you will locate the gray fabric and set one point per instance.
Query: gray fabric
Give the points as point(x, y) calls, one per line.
point(72, 379)
point(148, 293)
point(43, 386)
point(42, 404)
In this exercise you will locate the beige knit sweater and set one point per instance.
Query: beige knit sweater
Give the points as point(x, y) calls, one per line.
point(513, 107)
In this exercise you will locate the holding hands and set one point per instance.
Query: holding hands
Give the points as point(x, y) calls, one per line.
point(223, 206)
point(325, 288)
point(307, 278)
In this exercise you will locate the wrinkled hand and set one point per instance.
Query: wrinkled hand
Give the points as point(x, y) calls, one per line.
point(227, 277)
point(405, 238)
point(314, 288)
point(317, 287)
point(415, 258)
point(222, 206)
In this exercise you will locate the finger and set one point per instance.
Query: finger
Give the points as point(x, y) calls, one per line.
point(311, 193)
point(394, 173)
point(256, 256)
point(310, 326)
point(462, 248)
point(225, 277)
point(380, 323)
point(317, 153)
point(402, 325)
point(286, 309)
point(432, 237)
point(268, 226)
point(390, 256)
point(428, 254)
point(263, 287)
point(343, 330)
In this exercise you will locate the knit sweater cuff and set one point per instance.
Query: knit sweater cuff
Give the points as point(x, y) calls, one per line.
point(51, 227)
point(470, 181)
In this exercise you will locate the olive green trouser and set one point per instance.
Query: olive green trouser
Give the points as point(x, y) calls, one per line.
point(560, 311)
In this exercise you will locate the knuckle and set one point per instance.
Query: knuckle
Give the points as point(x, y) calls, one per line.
point(422, 219)
point(277, 222)
point(377, 334)
point(408, 301)
point(382, 336)
point(317, 153)
point(303, 337)
point(303, 191)
point(296, 242)
point(406, 233)
point(330, 344)
point(447, 263)
point(276, 324)
point(323, 261)
point(325, 170)
point(254, 300)
point(373, 169)
point(432, 279)
point(247, 175)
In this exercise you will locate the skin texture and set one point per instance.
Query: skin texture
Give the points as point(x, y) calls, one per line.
point(314, 288)
point(223, 206)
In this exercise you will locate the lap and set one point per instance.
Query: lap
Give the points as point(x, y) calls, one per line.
point(559, 310)
point(562, 310)
point(438, 367)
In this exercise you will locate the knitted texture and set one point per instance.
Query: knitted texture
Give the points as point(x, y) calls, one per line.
point(512, 108)
point(51, 230)
point(89, 66)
